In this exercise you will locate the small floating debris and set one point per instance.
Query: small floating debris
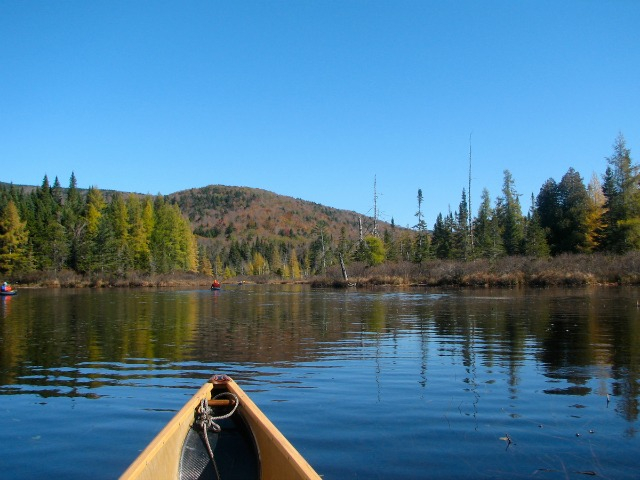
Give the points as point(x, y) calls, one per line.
point(507, 439)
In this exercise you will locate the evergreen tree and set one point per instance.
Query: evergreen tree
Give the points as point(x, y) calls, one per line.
point(509, 214)
point(574, 204)
point(117, 219)
point(73, 222)
point(104, 247)
point(535, 240)
point(485, 230)
point(442, 238)
point(56, 192)
point(57, 247)
point(389, 240)
point(549, 212)
point(621, 231)
point(41, 225)
point(462, 235)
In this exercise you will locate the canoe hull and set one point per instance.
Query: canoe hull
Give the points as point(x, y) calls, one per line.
point(9, 293)
point(278, 458)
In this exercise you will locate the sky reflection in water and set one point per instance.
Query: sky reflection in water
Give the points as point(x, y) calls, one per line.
point(366, 384)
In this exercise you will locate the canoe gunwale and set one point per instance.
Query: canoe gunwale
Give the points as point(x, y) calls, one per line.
point(278, 457)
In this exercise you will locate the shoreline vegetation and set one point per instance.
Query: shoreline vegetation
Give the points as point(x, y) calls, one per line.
point(572, 235)
point(507, 272)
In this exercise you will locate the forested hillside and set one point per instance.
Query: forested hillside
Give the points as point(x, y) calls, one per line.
point(252, 231)
point(215, 230)
point(230, 231)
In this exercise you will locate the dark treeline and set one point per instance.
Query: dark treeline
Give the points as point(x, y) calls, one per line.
point(55, 229)
point(565, 217)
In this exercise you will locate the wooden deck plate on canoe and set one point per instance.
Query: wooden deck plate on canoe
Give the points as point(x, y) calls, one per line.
point(247, 446)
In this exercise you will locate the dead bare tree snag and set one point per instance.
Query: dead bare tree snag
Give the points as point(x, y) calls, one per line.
point(375, 208)
point(344, 269)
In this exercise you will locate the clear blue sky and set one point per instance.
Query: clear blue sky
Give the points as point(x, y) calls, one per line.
point(312, 99)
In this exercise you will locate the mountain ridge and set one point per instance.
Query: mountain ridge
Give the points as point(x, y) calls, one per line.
point(225, 212)
point(222, 210)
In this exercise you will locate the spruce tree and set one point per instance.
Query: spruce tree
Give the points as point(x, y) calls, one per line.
point(574, 205)
point(462, 235)
point(535, 240)
point(483, 227)
point(73, 222)
point(510, 217)
point(621, 230)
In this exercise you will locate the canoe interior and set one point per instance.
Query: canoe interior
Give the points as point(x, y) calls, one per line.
point(234, 450)
point(249, 445)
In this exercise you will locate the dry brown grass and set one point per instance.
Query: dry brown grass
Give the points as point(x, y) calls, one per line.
point(564, 270)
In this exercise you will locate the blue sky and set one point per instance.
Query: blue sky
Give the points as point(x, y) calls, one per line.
point(313, 99)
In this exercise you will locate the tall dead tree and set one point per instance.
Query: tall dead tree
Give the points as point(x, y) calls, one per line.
point(375, 208)
point(469, 191)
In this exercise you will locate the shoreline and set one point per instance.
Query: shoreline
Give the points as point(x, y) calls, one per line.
point(508, 272)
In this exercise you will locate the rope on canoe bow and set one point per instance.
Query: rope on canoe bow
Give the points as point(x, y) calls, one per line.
point(207, 421)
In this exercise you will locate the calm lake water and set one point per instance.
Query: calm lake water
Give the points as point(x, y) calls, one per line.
point(366, 384)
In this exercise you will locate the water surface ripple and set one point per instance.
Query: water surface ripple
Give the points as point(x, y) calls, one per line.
point(366, 384)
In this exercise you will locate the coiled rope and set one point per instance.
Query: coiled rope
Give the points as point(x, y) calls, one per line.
point(207, 421)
